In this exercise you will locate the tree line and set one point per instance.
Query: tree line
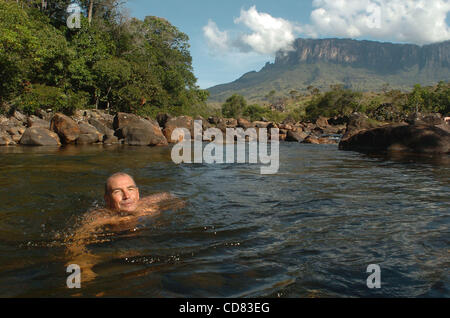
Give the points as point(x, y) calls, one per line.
point(387, 105)
point(112, 61)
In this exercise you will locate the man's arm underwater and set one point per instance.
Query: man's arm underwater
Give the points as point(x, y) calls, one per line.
point(93, 224)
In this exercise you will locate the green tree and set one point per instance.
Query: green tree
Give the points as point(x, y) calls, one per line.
point(234, 106)
point(125, 64)
point(254, 112)
point(338, 101)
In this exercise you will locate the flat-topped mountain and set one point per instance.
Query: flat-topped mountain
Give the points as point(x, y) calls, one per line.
point(359, 65)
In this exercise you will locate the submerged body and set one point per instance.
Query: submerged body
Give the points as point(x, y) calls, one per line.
point(123, 211)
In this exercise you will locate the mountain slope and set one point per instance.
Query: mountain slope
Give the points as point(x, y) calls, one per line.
point(359, 65)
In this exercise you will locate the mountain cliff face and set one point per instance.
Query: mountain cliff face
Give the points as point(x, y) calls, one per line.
point(387, 57)
point(359, 65)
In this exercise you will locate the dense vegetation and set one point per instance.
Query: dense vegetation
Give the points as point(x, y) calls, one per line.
point(112, 61)
point(386, 105)
point(145, 67)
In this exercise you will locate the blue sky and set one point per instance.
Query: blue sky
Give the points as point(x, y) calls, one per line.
point(230, 38)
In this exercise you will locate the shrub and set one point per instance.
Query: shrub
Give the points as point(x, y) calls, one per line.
point(254, 112)
point(44, 97)
point(234, 106)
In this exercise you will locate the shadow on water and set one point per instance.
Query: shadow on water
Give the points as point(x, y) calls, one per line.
point(309, 230)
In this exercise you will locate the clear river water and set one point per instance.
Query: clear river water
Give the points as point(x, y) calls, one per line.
point(309, 230)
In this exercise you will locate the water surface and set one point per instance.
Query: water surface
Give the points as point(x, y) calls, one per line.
point(310, 230)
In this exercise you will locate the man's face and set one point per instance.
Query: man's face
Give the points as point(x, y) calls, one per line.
point(123, 195)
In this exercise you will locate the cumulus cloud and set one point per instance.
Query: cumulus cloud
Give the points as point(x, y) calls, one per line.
point(411, 21)
point(217, 40)
point(414, 21)
point(267, 34)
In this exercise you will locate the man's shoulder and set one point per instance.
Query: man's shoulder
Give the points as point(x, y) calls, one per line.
point(97, 214)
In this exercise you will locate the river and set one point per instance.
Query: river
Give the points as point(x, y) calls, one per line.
point(309, 230)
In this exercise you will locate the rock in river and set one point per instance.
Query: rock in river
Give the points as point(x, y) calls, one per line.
point(400, 137)
point(38, 136)
point(138, 131)
point(66, 128)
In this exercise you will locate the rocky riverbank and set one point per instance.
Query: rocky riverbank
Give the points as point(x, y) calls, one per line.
point(428, 134)
point(96, 126)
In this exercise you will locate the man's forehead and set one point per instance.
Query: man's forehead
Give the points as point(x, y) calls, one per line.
point(121, 180)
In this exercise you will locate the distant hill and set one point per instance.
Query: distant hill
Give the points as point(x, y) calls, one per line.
point(359, 65)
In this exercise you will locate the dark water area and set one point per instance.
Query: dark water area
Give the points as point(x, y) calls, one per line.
point(310, 230)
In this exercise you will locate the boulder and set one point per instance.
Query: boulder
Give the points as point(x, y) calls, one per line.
point(311, 140)
point(16, 138)
point(86, 128)
point(15, 130)
point(205, 122)
point(322, 122)
point(88, 134)
point(222, 126)
point(296, 136)
point(318, 141)
point(330, 130)
point(178, 122)
point(357, 122)
point(90, 130)
point(66, 128)
point(260, 124)
point(101, 126)
point(309, 126)
point(5, 139)
point(400, 137)
point(231, 122)
point(101, 116)
point(12, 121)
point(125, 119)
point(3, 120)
point(37, 136)
point(110, 139)
point(137, 131)
point(34, 121)
point(15, 133)
point(87, 139)
point(327, 141)
point(20, 117)
point(143, 136)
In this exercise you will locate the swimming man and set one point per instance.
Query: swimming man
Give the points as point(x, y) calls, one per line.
point(122, 212)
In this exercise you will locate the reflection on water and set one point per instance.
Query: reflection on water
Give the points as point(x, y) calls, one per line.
point(308, 231)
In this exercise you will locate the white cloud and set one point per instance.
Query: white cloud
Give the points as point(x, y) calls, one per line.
point(413, 21)
point(217, 40)
point(267, 34)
